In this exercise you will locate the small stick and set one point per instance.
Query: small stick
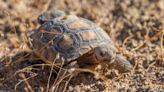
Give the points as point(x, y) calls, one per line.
point(26, 82)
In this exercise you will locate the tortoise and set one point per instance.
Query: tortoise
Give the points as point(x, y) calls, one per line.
point(74, 39)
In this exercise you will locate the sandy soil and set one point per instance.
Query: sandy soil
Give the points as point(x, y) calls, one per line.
point(136, 27)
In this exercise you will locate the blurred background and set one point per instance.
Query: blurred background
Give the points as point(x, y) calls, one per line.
point(136, 27)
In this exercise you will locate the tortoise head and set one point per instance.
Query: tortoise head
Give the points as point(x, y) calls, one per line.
point(105, 52)
point(51, 14)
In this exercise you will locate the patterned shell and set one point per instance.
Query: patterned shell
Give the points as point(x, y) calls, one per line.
point(70, 36)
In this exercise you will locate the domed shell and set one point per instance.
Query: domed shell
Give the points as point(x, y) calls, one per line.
point(70, 36)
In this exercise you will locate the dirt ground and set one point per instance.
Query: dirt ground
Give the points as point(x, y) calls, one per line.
point(136, 27)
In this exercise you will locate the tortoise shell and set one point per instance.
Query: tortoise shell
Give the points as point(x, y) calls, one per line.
point(70, 36)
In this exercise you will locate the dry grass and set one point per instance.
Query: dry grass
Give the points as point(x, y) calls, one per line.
point(136, 27)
